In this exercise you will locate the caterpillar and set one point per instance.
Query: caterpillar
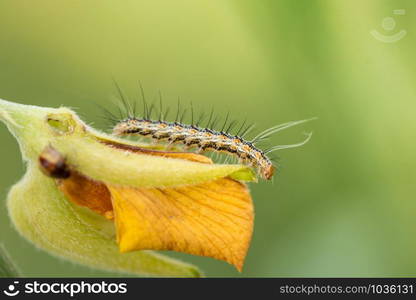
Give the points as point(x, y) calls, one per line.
point(205, 139)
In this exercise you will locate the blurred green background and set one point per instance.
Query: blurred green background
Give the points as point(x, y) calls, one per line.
point(343, 205)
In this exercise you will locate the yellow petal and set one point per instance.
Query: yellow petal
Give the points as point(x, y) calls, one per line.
point(212, 219)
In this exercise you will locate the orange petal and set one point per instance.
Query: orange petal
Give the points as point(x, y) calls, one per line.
point(86, 192)
point(212, 219)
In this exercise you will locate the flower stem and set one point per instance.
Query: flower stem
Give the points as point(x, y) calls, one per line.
point(7, 266)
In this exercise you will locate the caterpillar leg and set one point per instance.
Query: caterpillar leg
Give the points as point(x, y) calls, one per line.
point(201, 151)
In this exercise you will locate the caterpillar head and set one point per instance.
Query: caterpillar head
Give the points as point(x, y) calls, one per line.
point(268, 171)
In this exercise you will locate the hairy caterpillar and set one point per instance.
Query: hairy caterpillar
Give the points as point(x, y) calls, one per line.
point(204, 139)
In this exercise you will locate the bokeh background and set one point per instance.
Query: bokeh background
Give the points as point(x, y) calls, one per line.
point(343, 205)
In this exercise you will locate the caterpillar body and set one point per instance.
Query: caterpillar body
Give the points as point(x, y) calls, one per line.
point(193, 136)
point(206, 139)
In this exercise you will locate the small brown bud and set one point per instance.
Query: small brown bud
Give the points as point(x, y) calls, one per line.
point(52, 163)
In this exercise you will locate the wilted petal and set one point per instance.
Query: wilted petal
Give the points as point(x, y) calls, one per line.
point(86, 192)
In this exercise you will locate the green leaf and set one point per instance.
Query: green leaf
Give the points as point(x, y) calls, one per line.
point(244, 174)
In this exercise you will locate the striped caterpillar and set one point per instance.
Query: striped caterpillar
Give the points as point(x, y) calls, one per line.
point(205, 139)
